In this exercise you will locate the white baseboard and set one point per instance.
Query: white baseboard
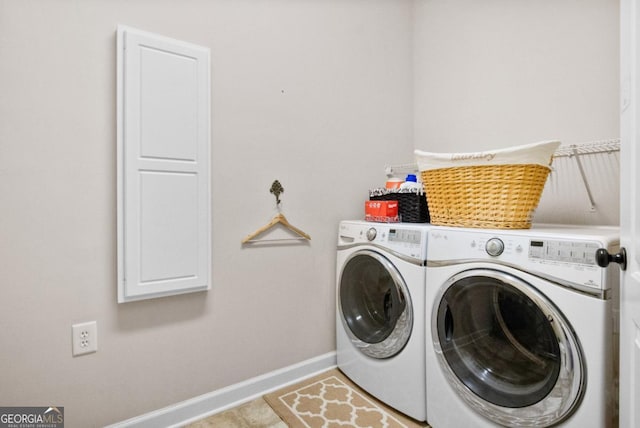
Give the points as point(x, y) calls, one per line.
point(214, 402)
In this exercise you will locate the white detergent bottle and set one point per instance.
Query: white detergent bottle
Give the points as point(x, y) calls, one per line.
point(411, 182)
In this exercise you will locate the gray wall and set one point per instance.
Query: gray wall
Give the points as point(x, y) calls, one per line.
point(495, 73)
point(318, 94)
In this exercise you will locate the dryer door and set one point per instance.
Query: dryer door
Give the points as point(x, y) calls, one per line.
point(374, 304)
point(507, 350)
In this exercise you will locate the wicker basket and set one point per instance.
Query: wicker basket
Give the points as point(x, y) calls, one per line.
point(412, 204)
point(485, 196)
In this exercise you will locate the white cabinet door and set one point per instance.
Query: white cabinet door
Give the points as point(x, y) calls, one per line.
point(164, 207)
point(630, 215)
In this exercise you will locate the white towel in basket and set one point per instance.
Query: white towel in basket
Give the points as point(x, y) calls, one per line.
point(537, 153)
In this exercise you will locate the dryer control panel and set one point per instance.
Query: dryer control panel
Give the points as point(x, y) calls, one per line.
point(566, 257)
point(564, 251)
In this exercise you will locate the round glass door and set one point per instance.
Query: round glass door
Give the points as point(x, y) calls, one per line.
point(507, 348)
point(375, 305)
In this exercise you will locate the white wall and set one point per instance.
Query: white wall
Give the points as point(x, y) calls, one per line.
point(316, 94)
point(497, 73)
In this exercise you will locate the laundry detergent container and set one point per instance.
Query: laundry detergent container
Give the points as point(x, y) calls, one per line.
point(496, 189)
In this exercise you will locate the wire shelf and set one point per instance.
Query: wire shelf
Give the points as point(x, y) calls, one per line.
point(573, 150)
point(580, 149)
point(595, 147)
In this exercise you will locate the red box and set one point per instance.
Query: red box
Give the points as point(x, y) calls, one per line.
point(375, 209)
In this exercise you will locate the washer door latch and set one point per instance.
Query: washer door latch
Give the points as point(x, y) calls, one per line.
point(603, 258)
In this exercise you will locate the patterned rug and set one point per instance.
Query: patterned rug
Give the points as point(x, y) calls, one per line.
point(331, 400)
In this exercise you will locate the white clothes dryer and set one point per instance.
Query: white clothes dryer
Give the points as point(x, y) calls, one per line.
point(380, 317)
point(520, 329)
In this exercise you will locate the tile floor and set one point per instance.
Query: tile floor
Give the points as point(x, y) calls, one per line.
point(254, 414)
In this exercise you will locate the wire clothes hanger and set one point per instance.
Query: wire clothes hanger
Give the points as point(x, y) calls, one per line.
point(276, 189)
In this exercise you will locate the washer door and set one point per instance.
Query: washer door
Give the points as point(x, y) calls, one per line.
point(375, 305)
point(507, 350)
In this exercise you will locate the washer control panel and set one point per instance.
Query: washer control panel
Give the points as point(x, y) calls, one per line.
point(403, 238)
point(409, 236)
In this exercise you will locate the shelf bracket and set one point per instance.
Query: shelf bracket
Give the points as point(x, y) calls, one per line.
point(576, 156)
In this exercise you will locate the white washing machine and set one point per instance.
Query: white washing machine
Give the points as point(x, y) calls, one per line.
point(380, 317)
point(520, 329)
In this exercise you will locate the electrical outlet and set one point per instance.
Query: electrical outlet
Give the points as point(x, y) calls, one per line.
point(85, 338)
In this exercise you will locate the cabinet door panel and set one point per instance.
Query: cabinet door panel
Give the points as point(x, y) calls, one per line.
point(164, 208)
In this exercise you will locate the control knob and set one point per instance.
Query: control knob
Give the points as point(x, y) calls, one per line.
point(371, 234)
point(494, 247)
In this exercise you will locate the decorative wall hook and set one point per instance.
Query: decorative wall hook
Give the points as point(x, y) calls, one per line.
point(277, 189)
